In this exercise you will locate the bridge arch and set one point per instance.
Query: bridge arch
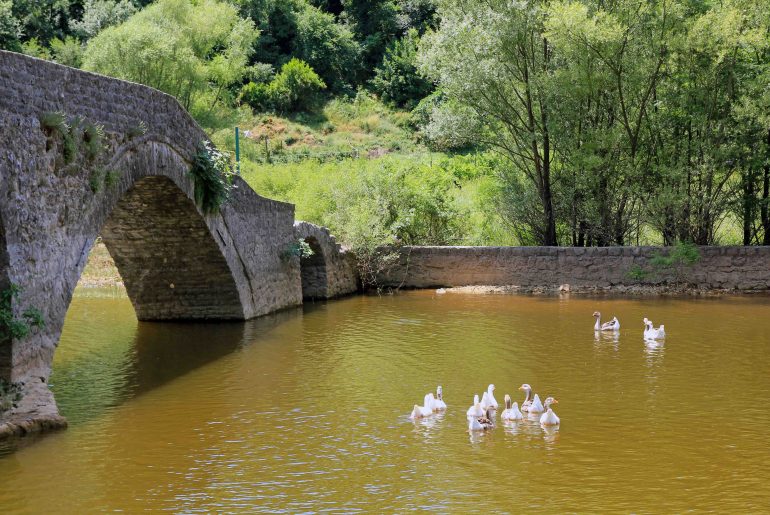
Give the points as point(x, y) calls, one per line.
point(331, 270)
point(134, 189)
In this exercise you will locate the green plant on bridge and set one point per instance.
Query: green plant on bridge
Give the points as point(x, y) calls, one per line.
point(12, 327)
point(299, 248)
point(10, 394)
point(213, 177)
point(72, 132)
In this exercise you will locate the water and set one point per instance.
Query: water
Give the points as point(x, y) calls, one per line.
point(306, 411)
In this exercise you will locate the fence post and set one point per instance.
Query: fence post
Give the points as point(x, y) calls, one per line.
point(237, 152)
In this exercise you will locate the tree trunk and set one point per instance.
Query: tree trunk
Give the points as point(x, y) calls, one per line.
point(766, 194)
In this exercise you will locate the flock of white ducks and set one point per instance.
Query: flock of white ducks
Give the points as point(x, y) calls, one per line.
point(481, 414)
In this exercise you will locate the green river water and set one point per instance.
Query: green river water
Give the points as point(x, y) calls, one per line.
point(307, 411)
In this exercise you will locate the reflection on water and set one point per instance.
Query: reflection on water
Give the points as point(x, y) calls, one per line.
point(307, 410)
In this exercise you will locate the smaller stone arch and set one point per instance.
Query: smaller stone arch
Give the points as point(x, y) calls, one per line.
point(331, 270)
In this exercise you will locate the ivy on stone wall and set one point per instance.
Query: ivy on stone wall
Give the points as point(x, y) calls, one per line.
point(213, 177)
point(11, 326)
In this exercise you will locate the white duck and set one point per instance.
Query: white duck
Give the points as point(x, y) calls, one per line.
point(420, 412)
point(530, 405)
point(488, 399)
point(438, 402)
point(612, 325)
point(511, 412)
point(475, 411)
point(549, 418)
point(481, 423)
point(536, 406)
point(650, 333)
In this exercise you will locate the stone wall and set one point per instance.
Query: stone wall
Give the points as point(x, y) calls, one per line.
point(176, 261)
point(723, 268)
point(331, 270)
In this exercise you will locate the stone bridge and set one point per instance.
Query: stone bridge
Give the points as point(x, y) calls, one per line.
point(119, 168)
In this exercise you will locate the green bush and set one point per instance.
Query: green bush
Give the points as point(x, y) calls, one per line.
point(295, 88)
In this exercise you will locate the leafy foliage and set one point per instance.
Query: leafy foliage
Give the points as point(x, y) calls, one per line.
point(11, 326)
point(213, 175)
point(299, 248)
point(397, 80)
point(10, 394)
point(176, 46)
point(294, 89)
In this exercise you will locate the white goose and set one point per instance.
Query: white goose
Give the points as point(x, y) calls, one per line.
point(549, 418)
point(511, 412)
point(438, 402)
point(530, 405)
point(612, 325)
point(650, 333)
point(488, 399)
point(475, 411)
point(420, 412)
point(536, 406)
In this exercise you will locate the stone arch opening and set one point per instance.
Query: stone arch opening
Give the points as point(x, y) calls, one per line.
point(313, 272)
point(170, 263)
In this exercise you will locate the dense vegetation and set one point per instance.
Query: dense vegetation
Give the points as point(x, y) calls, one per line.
point(578, 122)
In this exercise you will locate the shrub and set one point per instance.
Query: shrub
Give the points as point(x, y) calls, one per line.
point(294, 89)
point(213, 177)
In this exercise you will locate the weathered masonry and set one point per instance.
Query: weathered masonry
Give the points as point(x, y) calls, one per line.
point(82, 155)
point(618, 269)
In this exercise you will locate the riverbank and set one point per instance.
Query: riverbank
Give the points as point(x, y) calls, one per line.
point(100, 270)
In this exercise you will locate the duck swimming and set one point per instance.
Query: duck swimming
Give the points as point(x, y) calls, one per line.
point(511, 411)
point(650, 333)
point(612, 325)
point(488, 399)
point(530, 405)
point(475, 411)
point(438, 402)
point(482, 423)
point(549, 418)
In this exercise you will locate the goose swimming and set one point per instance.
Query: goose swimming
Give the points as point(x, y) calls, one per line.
point(438, 402)
point(475, 411)
point(511, 411)
point(549, 418)
point(612, 325)
point(530, 405)
point(650, 333)
point(482, 423)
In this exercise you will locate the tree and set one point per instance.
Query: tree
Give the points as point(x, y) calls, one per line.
point(375, 25)
point(10, 29)
point(328, 47)
point(176, 46)
point(493, 59)
point(98, 14)
point(397, 80)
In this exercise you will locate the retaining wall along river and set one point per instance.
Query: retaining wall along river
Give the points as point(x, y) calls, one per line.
point(719, 268)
